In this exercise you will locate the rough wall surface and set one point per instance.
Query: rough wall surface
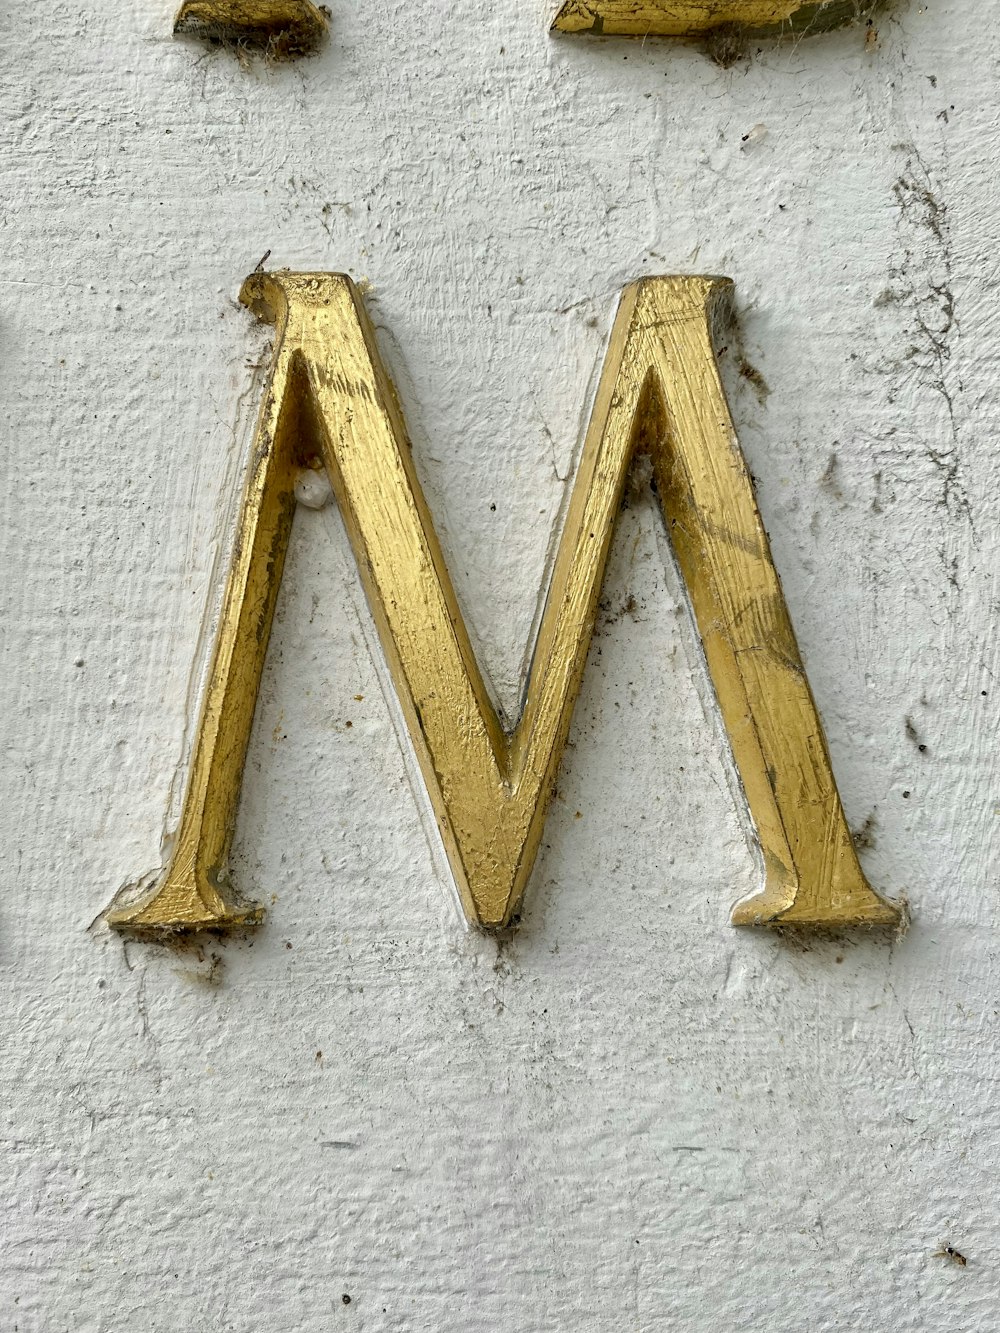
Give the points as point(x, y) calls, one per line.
point(629, 1117)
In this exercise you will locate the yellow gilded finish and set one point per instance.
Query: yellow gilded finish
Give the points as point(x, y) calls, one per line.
point(285, 27)
point(689, 18)
point(661, 394)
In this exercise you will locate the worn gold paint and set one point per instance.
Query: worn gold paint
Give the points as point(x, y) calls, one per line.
point(284, 27)
point(690, 18)
point(660, 393)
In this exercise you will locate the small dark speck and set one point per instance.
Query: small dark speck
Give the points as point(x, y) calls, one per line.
point(906, 795)
point(78, 662)
point(983, 693)
point(288, 943)
point(348, 724)
point(346, 1299)
point(493, 509)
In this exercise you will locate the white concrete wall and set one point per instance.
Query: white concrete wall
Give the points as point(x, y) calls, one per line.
point(631, 1117)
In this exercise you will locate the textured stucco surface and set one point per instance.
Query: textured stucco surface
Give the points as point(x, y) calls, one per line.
point(630, 1117)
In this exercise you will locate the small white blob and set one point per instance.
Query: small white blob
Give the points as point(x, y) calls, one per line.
point(312, 488)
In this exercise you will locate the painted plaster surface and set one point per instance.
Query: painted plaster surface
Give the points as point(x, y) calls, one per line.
point(630, 1116)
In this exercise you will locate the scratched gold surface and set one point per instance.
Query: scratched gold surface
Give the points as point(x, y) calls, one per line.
point(660, 393)
point(689, 18)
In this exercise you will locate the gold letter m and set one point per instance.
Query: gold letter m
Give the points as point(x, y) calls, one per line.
point(660, 393)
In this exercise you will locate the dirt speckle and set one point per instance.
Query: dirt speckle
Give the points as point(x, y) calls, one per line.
point(864, 838)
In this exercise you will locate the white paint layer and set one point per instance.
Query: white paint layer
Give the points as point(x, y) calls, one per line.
point(630, 1117)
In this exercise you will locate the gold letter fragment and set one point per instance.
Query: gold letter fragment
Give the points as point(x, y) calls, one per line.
point(279, 27)
point(660, 394)
point(693, 18)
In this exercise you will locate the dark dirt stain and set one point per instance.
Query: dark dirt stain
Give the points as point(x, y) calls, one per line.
point(611, 615)
point(755, 379)
point(828, 480)
point(913, 735)
point(864, 838)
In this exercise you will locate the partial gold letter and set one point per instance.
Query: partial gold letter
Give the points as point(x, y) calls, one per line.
point(696, 18)
point(660, 393)
point(278, 27)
